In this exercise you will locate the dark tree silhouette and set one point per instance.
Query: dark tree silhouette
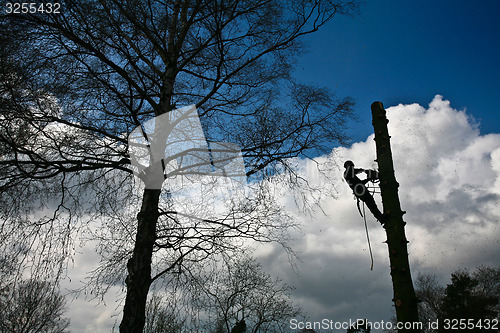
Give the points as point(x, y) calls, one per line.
point(32, 306)
point(28, 305)
point(76, 84)
point(462, 301)
point(470, 297)
point(404, 299)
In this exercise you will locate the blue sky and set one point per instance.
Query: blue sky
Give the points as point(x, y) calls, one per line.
point(409, 51)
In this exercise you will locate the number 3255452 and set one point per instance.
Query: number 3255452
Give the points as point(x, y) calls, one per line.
point(32, 8)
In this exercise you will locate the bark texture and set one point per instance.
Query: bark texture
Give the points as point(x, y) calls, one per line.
point(139, 266)
point(404, 299)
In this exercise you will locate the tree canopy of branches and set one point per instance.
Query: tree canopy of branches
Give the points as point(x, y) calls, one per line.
point(32, 306)
point(74, 85)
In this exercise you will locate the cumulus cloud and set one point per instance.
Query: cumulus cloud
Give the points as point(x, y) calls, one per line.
point(449, 177)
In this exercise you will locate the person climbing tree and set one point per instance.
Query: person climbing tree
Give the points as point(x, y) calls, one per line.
point(359, 188)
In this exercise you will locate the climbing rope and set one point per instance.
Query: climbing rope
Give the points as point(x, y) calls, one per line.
point(373, 189)
point(368, 237)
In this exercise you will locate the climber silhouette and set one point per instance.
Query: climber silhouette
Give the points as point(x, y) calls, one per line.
point(360, 190)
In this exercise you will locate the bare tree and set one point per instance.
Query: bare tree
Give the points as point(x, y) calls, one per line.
point(32, 306)
point(163, 315)
point(77, 83)
point(430, 295)
point(28, 305)
point(225, 297)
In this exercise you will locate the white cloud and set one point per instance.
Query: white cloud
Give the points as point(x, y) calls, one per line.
point(88, 313)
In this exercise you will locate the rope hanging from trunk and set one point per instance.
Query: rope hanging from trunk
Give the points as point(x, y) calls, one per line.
point(368, 237)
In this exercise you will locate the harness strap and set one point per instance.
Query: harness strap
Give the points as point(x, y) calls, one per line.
point(359, 209)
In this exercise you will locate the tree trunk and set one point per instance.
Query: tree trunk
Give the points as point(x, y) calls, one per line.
point(139, 266)
point(404, 294)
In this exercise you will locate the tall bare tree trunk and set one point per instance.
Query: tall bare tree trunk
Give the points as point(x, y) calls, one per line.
point(139, 266)
point(404, 299)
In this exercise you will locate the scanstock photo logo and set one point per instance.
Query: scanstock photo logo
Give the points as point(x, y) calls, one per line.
point(171, 152)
